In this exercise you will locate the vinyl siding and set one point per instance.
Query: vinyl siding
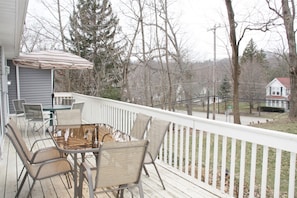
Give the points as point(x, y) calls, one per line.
point(35, 85)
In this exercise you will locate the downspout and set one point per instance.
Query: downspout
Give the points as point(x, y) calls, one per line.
point(4, 104)
point(3, 99)
point(1, 112)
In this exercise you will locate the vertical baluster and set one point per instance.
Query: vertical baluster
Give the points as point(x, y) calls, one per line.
point(232, 166)
point(253, 169)
point(223, 165)
point(242, 168)
point(292, 175)
point(207, 158)
point(278, 162)
point(215, 160)
point(264, 171)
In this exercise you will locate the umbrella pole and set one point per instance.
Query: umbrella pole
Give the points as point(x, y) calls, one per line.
point(53, 84)
point(53, 96)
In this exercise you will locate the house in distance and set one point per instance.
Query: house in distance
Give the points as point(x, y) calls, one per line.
point(278, 93)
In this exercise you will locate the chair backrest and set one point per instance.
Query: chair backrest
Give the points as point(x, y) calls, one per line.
point(78, 105)
point(68, 101)
point(18, 106)
point(140, 125)
point(120, 163)
point(18, 148)
point(14, 130)
point(49, 169)
point(33, 112)
point(155, 135)
point(68, 118)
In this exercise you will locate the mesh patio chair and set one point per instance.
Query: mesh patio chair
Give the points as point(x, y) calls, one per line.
point(78, 105)
point(34, 156)
point(140, 126)
point(18, 108)
point(68, 119)
point(155, 135)
point(119, 166)
point(67, 101)
point(34, 113)
point(38, 171)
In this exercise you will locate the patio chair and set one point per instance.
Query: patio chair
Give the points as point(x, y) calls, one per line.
point(155, 135)
point(67, 101)
point(34, 113)
point(18, 108)
point(78, 105)
point(34, 156)
point(68, 119)
point(140, 126)
point(119, 166)
point(38, 171)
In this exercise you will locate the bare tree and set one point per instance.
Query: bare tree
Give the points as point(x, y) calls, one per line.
point(287, 14)
point(235, 61)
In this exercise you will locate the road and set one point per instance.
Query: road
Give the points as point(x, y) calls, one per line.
point(245, 120)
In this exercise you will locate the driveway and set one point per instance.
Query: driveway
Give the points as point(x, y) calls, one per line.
point(245, 120)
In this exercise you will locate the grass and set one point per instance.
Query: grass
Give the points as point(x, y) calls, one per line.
point(281, 122)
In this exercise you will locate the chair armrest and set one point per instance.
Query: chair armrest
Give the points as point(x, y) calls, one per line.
point(46, 154)
point(36, 141)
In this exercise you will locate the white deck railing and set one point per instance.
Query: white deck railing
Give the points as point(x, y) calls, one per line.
point(236, 160)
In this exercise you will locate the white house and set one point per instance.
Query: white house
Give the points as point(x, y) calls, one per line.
point(278, 93)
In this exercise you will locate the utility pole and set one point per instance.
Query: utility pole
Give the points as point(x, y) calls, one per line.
point(214, 29)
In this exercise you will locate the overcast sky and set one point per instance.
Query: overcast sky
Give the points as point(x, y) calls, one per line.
point(196, 18)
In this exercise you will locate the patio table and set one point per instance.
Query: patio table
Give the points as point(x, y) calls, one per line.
point(82, 140)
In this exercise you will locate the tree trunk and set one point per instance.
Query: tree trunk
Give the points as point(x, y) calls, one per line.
point(167, 58)
point(235, 63)
point(288, 18)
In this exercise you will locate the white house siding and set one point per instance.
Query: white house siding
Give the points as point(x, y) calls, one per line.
point(277, 94)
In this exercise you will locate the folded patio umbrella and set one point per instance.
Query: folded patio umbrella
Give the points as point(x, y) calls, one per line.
point(52, 59)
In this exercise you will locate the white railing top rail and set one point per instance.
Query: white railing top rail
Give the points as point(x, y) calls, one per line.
point(270, 138)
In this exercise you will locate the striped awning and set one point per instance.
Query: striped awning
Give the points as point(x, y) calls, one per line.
point(52, 59)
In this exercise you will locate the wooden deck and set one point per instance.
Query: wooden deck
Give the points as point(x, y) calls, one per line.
point(10, 166)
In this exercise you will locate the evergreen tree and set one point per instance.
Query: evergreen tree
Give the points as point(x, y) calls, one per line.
point(254, 74)
point(225, 89)
point(93, 28)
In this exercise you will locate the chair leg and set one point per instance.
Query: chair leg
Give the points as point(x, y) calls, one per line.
point(43, 129)
point(26, 130)
point(140, 189)
point(159, 175)
point(31, 188)
point(67, 176)
point(22, 184)
point(19, 177)
point(145, 170)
